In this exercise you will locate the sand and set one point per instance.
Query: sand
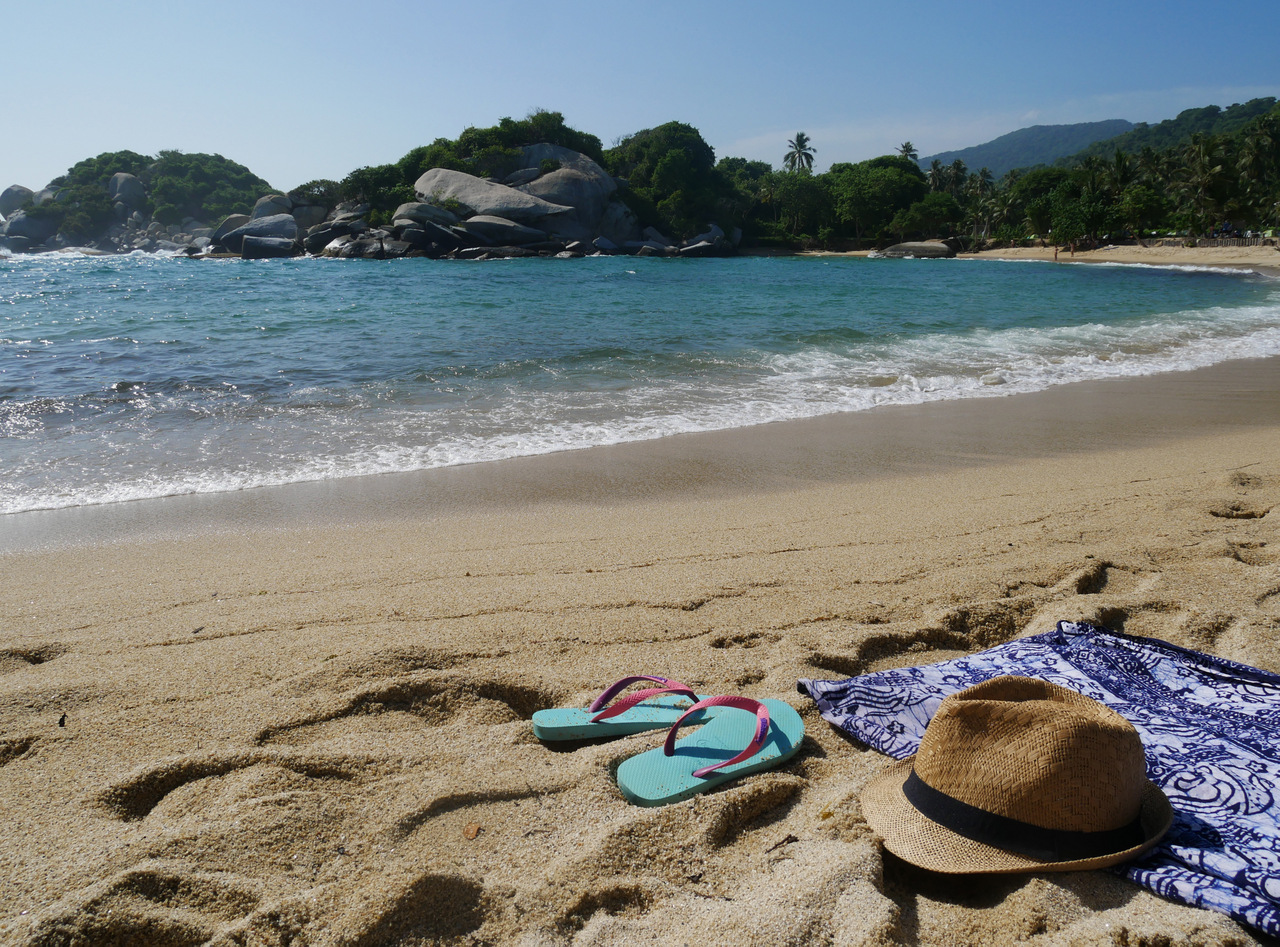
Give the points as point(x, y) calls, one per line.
point(1261, 258)
point(301, 715)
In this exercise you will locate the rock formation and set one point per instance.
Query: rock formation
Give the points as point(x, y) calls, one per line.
point(558, 203)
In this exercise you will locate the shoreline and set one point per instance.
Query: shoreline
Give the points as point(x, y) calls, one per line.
point(323, 718)
point(1262, 260)
point(764, 459)
point(306, 708)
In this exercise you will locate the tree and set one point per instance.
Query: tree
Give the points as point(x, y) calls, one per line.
point(800, 157)
point(908, 150)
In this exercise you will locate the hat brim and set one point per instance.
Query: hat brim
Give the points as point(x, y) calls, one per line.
point(923, 842)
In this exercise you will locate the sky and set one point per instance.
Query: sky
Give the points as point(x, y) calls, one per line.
point(298, 91)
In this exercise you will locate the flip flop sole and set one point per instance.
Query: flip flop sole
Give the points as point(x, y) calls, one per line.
point(574, 723)
point(655, 779)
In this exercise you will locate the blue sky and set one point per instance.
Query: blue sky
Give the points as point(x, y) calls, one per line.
point(298, 91)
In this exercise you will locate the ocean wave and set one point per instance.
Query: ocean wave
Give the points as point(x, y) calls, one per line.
point(151, 424)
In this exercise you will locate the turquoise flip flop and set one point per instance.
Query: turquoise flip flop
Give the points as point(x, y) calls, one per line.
point(705, 759)
point(655, 708)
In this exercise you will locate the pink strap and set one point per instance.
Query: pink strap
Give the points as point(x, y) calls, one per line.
point(617, 686)
point(742, 703)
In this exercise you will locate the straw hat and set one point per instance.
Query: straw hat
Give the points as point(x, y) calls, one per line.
point(1017, 774)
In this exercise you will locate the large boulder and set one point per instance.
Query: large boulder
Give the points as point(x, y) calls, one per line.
point(267, 248)
point(425, 214)
point(579, 183)
point(308, 215)
point(278, 225)
point(13, 198)
point(619, 224)
point(441, 186)
point(46, 195)
point(498, 230)
point(35, 228)
point(272, 205)
point(231, 223)
point(324, 233)
point(126, 189)
point(919, 250)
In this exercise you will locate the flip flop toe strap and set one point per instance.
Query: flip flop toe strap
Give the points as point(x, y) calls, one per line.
point(638, 697)
point(741, 703)
point(617, 687)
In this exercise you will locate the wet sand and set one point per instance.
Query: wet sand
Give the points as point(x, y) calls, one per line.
point(300, 715)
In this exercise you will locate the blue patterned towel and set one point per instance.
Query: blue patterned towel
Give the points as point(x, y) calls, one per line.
point(1211, 729)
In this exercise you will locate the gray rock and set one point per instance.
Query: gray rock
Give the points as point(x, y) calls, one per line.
point(13, 198)
point(653, 246)
point(272, 205)
point(266, 248)
point(579, 183)
point(231, 223)
point(35, 229)
point(605, 245)
point(494, 253)
point(277, 225)
point(444, 237)
point(308, 215)
point(919, 250)
point(499, 231)
point(46, 195)
point(653, 235)
point(18, 244)
point(523, 176)
point(440, 185)
point(618, 224)
point(702, 248)
point(426, 214)
point(201, 243)
point(713, 234)
point(126, 189)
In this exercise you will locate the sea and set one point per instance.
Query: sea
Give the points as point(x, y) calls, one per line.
point(131, 377)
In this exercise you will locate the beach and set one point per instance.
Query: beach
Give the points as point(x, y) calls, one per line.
point(301, 714)
point(1262, 259)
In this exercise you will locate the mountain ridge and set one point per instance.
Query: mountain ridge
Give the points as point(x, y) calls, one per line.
point(1036, 144)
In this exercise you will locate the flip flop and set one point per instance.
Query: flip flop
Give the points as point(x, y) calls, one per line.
point(654, 708)
point(709, 757)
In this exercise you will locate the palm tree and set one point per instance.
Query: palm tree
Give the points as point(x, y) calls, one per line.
point(937, 176)
point(908, 150)
point(1199, 178)
point(800, 157)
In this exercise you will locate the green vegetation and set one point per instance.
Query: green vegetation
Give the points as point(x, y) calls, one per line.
point(1027, 147)
point(1217, 169)
point(799, 156)
point(1173, 132)
point(485, 152)
point(207, 187)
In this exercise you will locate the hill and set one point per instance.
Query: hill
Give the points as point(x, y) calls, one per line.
point(1210, 120)
point(1027, 147)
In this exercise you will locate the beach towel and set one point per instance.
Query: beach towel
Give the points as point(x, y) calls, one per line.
point(1210, 728)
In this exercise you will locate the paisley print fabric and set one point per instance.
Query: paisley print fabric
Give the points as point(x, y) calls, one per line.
point(1211, 729)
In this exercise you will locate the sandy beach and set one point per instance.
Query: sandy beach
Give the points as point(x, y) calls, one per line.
point(1262, 258)
point(300, 715)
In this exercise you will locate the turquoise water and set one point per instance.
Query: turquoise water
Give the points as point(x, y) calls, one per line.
point(143, 376)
